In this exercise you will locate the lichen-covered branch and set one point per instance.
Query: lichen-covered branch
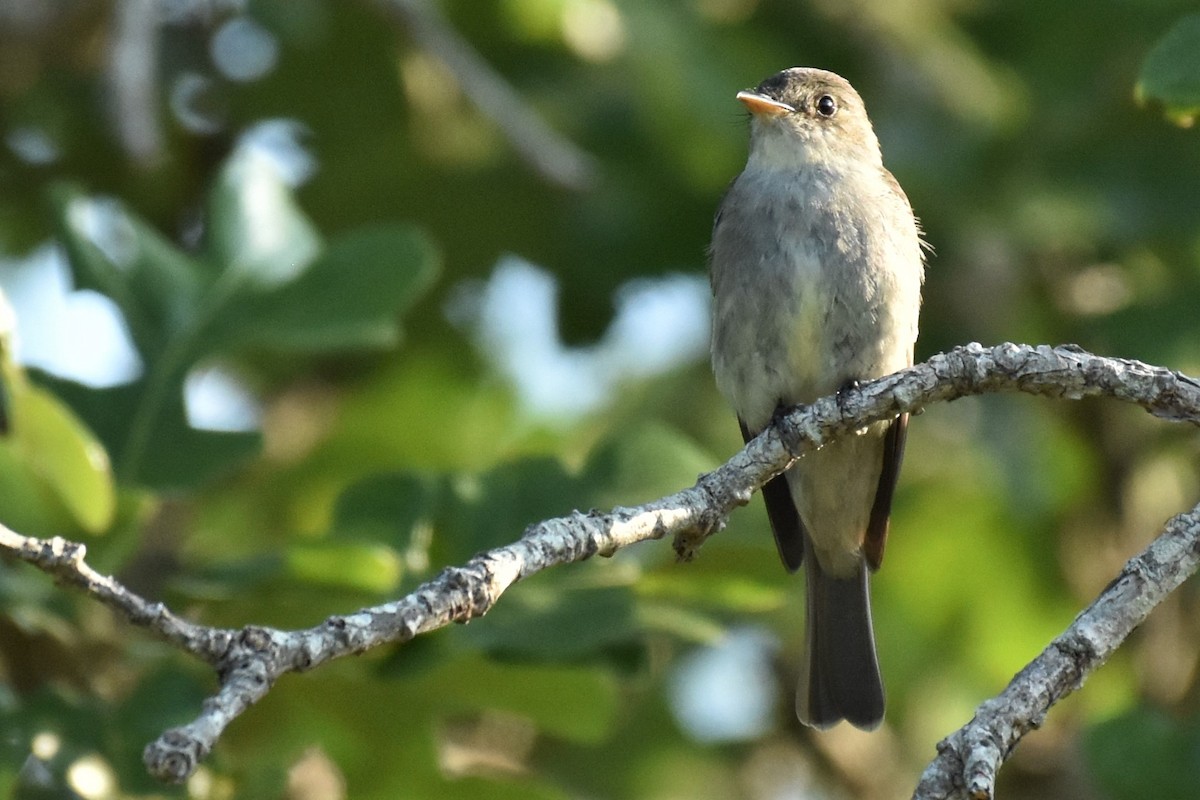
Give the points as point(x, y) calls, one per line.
point(64, 560)
point(968, 759)
point(249, 661)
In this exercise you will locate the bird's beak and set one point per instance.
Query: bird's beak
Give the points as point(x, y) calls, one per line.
point(762, 106)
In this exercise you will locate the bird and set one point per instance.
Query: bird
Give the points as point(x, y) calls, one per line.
point(816, 265)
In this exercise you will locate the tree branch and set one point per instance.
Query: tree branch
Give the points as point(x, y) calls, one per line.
point(63, 560)
point(249, 661)
point(556, 158)
point(133, 79)
point(968, 759)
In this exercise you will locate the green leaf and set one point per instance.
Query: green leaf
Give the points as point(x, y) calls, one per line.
point(153, 445)
point(494, 508)
point(717, 584)
point(26, 503)
point(265, 287)
point(350, 297)
point(1171, 72)
point(642, 462)
point(55, 475)
point(169, 304)
point(682, 622)
point(111, 251)
point(349, 565)
point(257, 235)
point(64, 455)
point(386, 508)
point(425, 411)
point(193, 456)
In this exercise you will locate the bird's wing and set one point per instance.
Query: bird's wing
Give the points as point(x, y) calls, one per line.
point(785, 519)
point(877, 528)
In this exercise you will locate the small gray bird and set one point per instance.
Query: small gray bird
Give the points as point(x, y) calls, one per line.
point(817, 266)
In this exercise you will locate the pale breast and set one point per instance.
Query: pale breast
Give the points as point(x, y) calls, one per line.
point(811, 288)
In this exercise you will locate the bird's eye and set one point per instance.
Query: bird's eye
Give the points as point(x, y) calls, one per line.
point(826, 106)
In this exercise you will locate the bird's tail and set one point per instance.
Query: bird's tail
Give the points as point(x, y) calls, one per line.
point(840, 677)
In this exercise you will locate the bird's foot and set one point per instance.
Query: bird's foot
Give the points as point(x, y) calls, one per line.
point(843, 401)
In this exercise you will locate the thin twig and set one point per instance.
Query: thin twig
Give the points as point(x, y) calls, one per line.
point(133, 79)
point(555, 157)
point(248, 662)
point(64, 560)
point(969, 759)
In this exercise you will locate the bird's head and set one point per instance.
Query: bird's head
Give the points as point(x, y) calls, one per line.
point(808, 116)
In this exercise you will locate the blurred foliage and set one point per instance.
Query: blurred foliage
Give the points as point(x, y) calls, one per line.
point(1128, 752)
point(1171, 73)
point(390, 446)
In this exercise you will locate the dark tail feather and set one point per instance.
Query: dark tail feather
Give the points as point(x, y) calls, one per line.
point(840, 676)
point(781, 511)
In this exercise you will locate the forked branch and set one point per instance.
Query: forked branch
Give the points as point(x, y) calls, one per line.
point(250, 660)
